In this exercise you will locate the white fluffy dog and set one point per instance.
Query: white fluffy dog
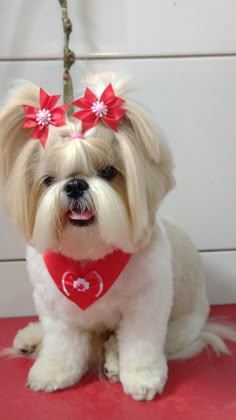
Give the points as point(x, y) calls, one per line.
point(91, 198)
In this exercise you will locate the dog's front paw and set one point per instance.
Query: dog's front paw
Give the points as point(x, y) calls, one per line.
point(143, 384)
point(27, 341)
point(50, 375)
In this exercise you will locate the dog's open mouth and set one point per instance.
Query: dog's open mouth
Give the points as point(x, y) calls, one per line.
point(81, 217)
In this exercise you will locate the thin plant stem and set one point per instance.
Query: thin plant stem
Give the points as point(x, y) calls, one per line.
point(69, 57)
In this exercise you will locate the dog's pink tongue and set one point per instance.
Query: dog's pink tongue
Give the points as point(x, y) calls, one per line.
point(86, 215)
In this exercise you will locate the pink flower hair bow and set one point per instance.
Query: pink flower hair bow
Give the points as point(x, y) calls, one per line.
point(107, 109)
point(40, 118)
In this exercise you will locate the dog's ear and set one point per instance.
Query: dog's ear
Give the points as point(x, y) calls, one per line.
point(149, 169)
point(21, 192)
point(12, 136)
point(143, 133)
point(17, 158)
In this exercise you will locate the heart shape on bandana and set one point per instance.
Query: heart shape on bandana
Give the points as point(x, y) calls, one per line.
point(91, 283)
point(84, 284)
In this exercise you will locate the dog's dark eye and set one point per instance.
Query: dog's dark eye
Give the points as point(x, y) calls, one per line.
point(108, 173)
point(48, 181)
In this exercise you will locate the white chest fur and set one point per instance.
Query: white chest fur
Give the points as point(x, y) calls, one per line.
point(141, 279)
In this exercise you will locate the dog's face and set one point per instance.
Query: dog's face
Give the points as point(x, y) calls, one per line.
point(85, 196)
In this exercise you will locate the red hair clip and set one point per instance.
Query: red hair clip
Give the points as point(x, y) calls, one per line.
point(40, 118)
point(107, 108)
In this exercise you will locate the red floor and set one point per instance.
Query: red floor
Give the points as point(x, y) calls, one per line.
point(197, 389)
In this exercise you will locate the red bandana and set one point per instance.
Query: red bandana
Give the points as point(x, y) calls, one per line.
point(85, 284)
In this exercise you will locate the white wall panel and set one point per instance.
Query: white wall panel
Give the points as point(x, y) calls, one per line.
point(193, 101)
point(16, 291)
point(32, 28)
point(11, 242)
point(220, 272)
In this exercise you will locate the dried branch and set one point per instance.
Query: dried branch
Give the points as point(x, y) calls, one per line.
point(69, 57)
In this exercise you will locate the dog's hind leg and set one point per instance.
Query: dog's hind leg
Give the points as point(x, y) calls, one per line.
point(191, 333)
point(182, 332)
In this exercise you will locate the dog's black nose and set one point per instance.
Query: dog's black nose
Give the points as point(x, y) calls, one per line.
point(75, 187)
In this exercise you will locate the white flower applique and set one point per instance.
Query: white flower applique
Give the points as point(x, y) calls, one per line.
point(99, 109)
point(81, 285)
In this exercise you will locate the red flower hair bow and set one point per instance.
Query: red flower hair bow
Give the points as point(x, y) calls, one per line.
point(40, 118)
point(107, 108)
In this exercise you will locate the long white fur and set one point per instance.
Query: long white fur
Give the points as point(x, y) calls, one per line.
point(158, 307)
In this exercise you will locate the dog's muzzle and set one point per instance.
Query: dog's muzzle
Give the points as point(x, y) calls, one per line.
point(80, 214)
